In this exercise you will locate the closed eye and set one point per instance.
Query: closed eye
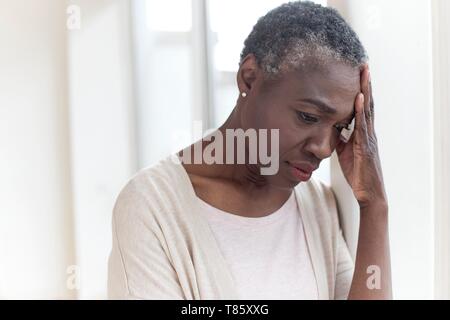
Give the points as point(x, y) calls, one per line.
point(307, 118)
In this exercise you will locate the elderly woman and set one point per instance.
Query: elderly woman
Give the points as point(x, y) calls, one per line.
point(223, 230)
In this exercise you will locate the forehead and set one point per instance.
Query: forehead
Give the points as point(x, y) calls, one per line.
point(334, 84)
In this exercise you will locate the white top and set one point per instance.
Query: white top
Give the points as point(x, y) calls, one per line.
point(164, 248)
point(267, 256)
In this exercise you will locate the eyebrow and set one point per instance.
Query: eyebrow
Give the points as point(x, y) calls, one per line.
point(322, 106)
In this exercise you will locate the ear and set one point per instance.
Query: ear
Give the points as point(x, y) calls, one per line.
point(247, 74)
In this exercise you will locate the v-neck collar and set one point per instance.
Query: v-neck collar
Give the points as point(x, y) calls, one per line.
point(217, 263)
point(312, 233)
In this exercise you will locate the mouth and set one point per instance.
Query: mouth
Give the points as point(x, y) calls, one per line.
point(301, 171)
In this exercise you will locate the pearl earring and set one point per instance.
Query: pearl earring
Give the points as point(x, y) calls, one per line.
point(243, 94)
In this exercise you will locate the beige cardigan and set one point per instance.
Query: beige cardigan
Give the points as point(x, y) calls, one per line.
point(163, 248)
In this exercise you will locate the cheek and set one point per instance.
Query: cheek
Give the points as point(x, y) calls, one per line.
point(280, 118)
point(263, 117)
point(291, 139)
point(291, 134)
point(255, 116)
point(269, 111)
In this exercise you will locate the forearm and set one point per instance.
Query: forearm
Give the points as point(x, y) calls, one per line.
point(372, 256)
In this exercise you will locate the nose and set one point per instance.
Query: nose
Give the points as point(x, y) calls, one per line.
point(322, 143)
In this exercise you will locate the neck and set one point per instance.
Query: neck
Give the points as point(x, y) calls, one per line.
point(244, 175)
point(246, 178)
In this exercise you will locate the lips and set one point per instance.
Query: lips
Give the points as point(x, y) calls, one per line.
point(303, 166)
point(301, 171)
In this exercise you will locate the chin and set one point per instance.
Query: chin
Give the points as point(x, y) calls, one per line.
point(282, 181)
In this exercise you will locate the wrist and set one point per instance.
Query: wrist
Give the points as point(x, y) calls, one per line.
point(379, 204)
point(378, 210)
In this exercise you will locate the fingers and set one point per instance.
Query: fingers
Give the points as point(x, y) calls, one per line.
point(365, 88)
point(361, 134)
point(340, 146)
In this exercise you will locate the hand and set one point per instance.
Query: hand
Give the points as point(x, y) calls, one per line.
point(359, 158)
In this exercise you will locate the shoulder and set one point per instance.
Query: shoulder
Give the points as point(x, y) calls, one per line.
point(150, 191)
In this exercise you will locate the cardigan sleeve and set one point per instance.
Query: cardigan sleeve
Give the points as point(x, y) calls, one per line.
point(345, 268)
point(138, 267)
point(343, 262)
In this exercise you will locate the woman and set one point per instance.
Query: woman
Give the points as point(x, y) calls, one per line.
point(223, 230)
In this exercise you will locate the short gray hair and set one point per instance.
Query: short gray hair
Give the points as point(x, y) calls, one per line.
point(302, 33)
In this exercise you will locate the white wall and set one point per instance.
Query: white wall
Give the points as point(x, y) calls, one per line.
point(397, 35)
point(60, 177)
point(36, 239)
point(102, 130)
